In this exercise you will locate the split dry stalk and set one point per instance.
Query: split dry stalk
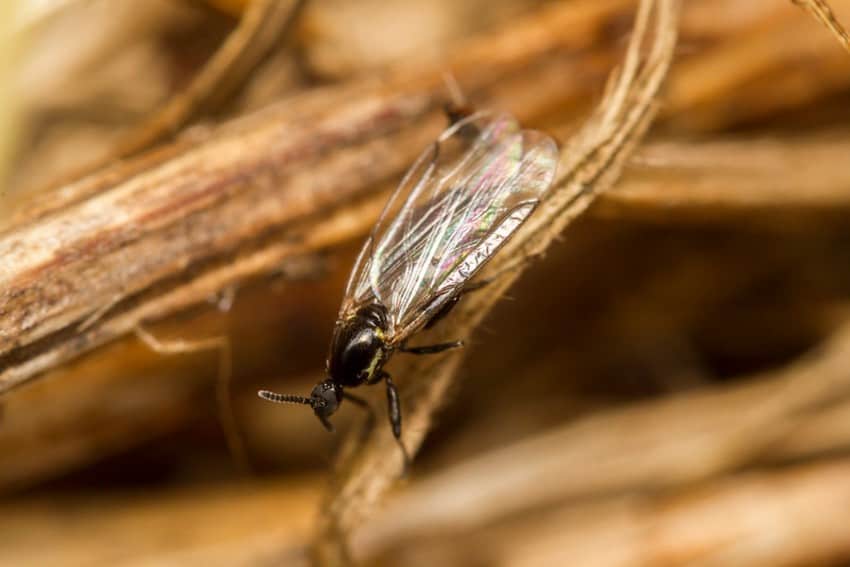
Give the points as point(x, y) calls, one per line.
point(590, 163)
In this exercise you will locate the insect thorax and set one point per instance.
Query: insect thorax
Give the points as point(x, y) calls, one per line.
point(359, 349)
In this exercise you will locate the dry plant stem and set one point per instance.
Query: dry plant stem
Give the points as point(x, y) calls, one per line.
point(259, 29)
point(752, 67)
point(795, 516)
point(489, 64)
point(331, 219)
point(294, 159)
point(820, 9)
point(791, 517)
point(683, 182)
point(778, 416)
point(212, 524)
point(716, 87)
point(720, 522)
point(163, 232)
point(171, 237)
point(703, 178)
point(590, 164)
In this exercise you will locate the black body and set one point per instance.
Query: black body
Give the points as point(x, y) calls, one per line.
point(358, 348)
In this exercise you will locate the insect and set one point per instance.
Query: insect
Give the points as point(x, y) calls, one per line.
point(458, 204)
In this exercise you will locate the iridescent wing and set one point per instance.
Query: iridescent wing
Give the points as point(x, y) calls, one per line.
point(462, 199)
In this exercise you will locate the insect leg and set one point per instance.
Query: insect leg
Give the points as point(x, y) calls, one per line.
point(394, 405)
point(432, 349)
point(233, 436)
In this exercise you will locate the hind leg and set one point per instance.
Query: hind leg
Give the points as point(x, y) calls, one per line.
point(394, 413)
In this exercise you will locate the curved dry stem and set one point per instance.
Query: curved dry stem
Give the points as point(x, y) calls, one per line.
point(590, 163)
point(261, 26)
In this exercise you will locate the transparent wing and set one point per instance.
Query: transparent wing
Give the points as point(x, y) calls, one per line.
point(461, 200)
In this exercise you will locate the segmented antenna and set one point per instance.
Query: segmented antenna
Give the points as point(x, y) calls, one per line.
point(285, 398)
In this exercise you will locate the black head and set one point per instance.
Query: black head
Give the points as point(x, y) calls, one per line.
point(357, 352)
point(324, 399)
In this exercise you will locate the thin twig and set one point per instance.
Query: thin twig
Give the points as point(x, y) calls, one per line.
point(224, 397)
point(823, 13)
point(589, 165)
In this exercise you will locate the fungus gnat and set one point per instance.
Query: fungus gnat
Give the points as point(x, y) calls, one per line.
point(458, 204)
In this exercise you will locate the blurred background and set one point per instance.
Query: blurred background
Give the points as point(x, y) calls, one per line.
point(666, 387)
